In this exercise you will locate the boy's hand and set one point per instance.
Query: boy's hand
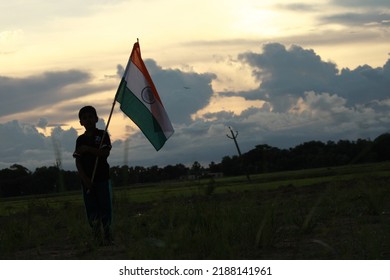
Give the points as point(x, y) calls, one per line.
point(87, 184)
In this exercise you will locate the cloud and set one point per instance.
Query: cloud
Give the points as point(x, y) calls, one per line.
point(16, 139)
point(182, 93)
point(120, 70)
point(54, 96)
point(42, 123)
point(359, 13)
point(39, 11)
point(298, 7)
point(23, 94)
point(65, 139)
point(362, 3)
point(358, 19)
point(364, 84)
point(284, 75)
point(305, 98)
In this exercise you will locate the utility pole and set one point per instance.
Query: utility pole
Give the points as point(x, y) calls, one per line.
point(234, 137)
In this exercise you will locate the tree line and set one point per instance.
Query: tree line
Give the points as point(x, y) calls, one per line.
point(17, 180)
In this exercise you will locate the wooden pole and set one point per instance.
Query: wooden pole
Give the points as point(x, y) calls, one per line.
point(234, 137)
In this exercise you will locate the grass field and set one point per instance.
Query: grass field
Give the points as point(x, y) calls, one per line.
point(327, 213)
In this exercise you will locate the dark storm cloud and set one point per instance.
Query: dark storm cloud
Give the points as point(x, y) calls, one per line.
point(24, 94)
point(364, 84)
point(64, 138)
point(286, 74)
point(23, 144)
point(182, 93)
point(17, 137)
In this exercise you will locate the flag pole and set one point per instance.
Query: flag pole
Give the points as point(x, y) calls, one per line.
point(108, 123)
point(101, 142)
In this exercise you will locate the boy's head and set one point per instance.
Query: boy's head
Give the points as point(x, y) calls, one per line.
point(88, 117)
point(87, 110)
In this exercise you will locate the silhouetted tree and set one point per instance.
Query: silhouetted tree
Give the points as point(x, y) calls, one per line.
point(215, 168)
point(18, 180)
point(381, 147)
point(231, 166)
point(196, 169)
point(175, 172)
point(14, 181)
point(45, 180)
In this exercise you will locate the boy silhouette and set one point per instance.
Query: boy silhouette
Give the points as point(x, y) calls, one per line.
point(90, 150)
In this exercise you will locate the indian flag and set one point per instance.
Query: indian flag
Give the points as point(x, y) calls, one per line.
point(140, 101)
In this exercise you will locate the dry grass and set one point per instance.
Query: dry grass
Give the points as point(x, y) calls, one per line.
point(332, 219)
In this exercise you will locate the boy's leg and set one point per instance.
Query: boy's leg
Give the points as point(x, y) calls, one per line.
point(92, 210)
point(105, 207)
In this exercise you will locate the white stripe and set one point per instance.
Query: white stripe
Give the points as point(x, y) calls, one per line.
point(136, 82)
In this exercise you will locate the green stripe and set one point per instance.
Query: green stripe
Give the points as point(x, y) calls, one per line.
point(141, 116)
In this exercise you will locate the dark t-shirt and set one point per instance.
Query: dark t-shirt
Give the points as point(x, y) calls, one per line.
point(88, 160)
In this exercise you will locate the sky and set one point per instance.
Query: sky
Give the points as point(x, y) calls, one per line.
point(278, 72)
